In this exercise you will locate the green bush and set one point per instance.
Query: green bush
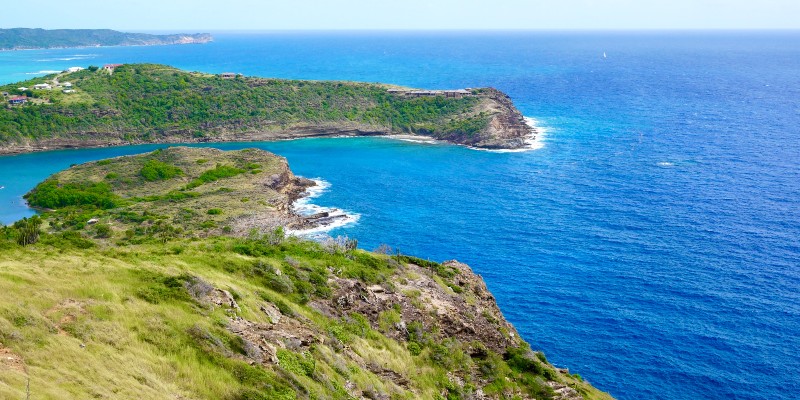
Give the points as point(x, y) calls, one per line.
point(28, 230)
point(296, 363)
point(52, 194)
point(102, 231)
point(215, 174)
point(154, 170)
point(414, 348)
point(214, 211)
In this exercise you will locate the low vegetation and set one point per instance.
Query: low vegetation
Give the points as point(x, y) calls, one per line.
point(145, 102)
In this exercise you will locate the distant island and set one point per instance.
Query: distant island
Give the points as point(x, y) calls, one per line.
point(148, 103)
point(30, 39)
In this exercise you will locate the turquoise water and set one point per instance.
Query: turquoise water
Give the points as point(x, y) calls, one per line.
point(651, 245)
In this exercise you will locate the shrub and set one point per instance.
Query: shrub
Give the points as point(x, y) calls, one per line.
point(214, 211)
point(28, 230)
point(160, 288)
point(215, 174)
point(102, 231)
point(52, 194)
point(414, 348)
point(296, 363)
point(154, 170)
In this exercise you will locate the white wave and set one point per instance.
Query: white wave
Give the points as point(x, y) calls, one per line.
point(414, 139)
point(305, 207)
point(533, 142)
point(43, 72)
point(665, 164)
point(73, 58)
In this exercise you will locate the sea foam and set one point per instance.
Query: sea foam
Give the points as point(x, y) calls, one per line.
point(533, 142)
point(305, 207)
point(43, 72)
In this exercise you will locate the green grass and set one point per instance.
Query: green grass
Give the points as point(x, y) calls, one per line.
point(145, 336)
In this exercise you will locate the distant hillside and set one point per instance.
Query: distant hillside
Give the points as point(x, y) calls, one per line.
point(25, 38)
point(147, 103)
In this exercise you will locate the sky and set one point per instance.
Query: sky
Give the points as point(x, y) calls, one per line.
point(219, 15)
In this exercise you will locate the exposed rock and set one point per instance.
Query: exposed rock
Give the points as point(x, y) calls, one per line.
point(11, 360)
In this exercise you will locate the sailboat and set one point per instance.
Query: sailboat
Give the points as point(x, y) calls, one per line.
point(604, 55)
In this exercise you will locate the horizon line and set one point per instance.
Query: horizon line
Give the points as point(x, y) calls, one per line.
point(282, 30)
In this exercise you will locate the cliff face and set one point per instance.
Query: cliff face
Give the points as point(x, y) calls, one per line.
point(505, 127)
point(142, 298)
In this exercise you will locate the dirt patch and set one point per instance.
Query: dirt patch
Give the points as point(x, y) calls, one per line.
point(11, 360)
point(66, 312)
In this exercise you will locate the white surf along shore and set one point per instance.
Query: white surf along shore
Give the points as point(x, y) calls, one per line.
point(533, 142)
point(337, 218)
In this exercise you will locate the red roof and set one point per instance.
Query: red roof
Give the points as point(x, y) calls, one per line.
point(18, 98)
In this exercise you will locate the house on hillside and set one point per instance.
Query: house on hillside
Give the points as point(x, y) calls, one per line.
point(111, 67)
point(422, 93)
point(42, 86)
point(227, 75)
point(17, 100)
point(453, 94)
point(22, 89)
point(68, 91)
point(73, 69)
point(457, 93)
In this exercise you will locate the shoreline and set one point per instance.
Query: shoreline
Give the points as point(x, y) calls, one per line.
point(535, 141)
point(322, 218)
point(255, 137)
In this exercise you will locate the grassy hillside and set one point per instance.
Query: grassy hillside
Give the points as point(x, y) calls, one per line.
point(155, 103)
point(128, 314)
point(24, 38)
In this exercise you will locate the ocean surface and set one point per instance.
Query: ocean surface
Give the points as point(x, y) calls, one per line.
point(652, 244)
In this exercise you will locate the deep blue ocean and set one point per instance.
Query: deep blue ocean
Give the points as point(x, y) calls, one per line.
point(652, 245)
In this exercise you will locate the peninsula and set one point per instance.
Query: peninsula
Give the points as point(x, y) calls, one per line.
point(147, 103)
point(31, 39)
point(146, 279)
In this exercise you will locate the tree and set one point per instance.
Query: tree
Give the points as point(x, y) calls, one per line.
point(28, 230)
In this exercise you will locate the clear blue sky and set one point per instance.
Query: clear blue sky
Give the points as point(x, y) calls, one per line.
point(198, 15)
